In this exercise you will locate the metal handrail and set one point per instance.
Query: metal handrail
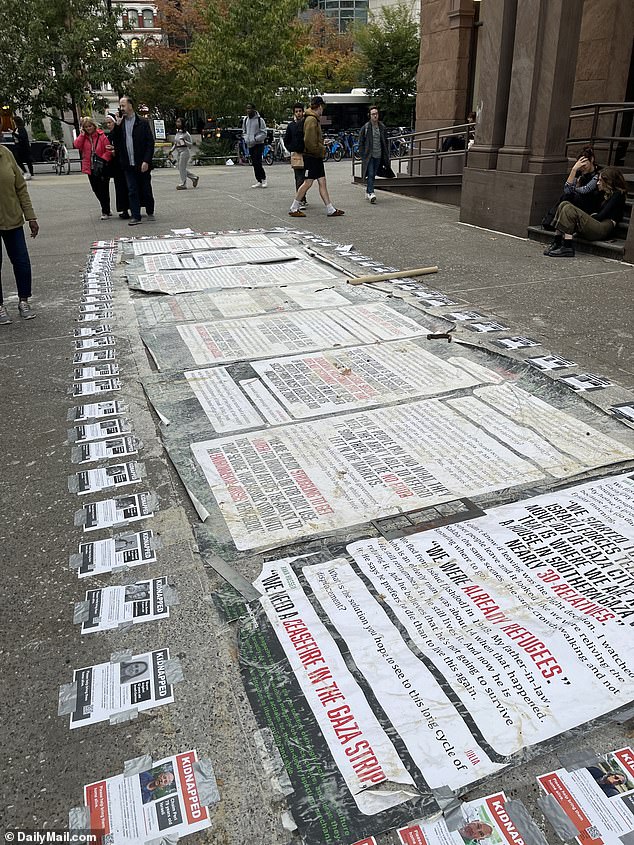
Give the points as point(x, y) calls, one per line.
point(596, 111)
point(417, 139)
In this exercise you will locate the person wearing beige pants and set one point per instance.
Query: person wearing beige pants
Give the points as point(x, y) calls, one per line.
point(570, 220)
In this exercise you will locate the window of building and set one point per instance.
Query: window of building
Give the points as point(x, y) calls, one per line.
point(133, 18)
point(148, 18)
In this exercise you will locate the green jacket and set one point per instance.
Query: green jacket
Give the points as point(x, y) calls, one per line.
point(15, 203)
point(313, 139)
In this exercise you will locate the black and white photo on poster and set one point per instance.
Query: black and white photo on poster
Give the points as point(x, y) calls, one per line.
point(486, 326)
point(546, 363)
point(99, 371)
point(102, 557)
point(111, 607)
point(105, 478)
point(114, 447)
point(93, 331)
point(91, 432)
point(92, 388)
point(123, 509)
point(96, 411)
point(87, 343)
point(463, 316)
point(162, 802)
point(95, 356)
point(624, 412)
point(94, 316)
point(515, 342)
point(137, 683)
point(581, 382)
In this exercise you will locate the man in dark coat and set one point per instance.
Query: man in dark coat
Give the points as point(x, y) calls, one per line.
point(134, 146)
point(374, 149)
point(22, 152)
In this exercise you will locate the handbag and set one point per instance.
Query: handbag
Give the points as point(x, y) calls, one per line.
point(97, 164)
point(297, 160)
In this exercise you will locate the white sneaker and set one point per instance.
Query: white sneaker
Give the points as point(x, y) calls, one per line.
point(368, 197)
point(372, 198)
point(263, 184)
point(257, 185)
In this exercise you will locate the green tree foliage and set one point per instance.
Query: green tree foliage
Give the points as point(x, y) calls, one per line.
point(37, 129)
point(56, 54)
point(389, 46)
point(56, 128)
point(158, 89)
point(249, 52)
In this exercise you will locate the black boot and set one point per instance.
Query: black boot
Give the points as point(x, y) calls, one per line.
point(556, 244)
point(566, 250)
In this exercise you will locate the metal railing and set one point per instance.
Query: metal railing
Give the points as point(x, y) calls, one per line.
point(422, 154)
point(607, 126)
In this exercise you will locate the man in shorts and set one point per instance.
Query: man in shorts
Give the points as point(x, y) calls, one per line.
point(314, 151)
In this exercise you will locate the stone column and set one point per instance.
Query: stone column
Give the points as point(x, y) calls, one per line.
point(513, 192)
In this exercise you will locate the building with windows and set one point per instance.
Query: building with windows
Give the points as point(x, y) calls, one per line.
point(345, 12)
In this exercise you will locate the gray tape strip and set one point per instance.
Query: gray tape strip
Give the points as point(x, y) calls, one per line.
point(124, 716)
point(170, 595)
point(67, 699)
point(206, 783)
point(232, 576)
point(173, 671)
point(451, 807)
point(80, 518)
point(125, 626)
point(136, 765)
point(75, 561)
point(272, 762)
point(288, 822)
point(562, 825)
point(627, 838)
point(81, 612)
point(524, 823)
point(577, 758)
point(622, 716)
point(165, 839)
point(120, 656)
point(79, 818)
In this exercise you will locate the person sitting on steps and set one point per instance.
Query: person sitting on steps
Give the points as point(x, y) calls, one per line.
point(580, 188)
point(571, 220)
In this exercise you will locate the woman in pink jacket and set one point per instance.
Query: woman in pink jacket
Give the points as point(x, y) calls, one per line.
point(93, 140)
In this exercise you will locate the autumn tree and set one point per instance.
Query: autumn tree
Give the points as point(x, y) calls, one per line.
point(331, 63)
point(389, 46)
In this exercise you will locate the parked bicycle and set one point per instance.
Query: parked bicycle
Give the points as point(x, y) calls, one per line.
point(280, 153)
point(244, 156)
point(60, 158)
point(334, 149)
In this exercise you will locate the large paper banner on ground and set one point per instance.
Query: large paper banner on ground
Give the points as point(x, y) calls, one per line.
point(216, 258)
point(467, 643)
point(223, 341)
point(305, 386)
point(160, 803)
point(260, 276)
point(157, 246)
point(274, 487)
point(226, 304)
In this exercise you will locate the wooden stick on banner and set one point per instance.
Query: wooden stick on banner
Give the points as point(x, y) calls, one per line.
point(399, 274)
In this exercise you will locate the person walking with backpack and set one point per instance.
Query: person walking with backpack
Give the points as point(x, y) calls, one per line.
point(314, 151)
point(95, 155)
point(294, 143)
point(254, 133)
point(23, 148)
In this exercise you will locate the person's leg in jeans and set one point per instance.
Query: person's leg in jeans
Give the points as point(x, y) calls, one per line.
point(121, 192)
point(133, 193)
point(147, 197)
point(373, 166)
point(256, 159)
point(15, 245)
